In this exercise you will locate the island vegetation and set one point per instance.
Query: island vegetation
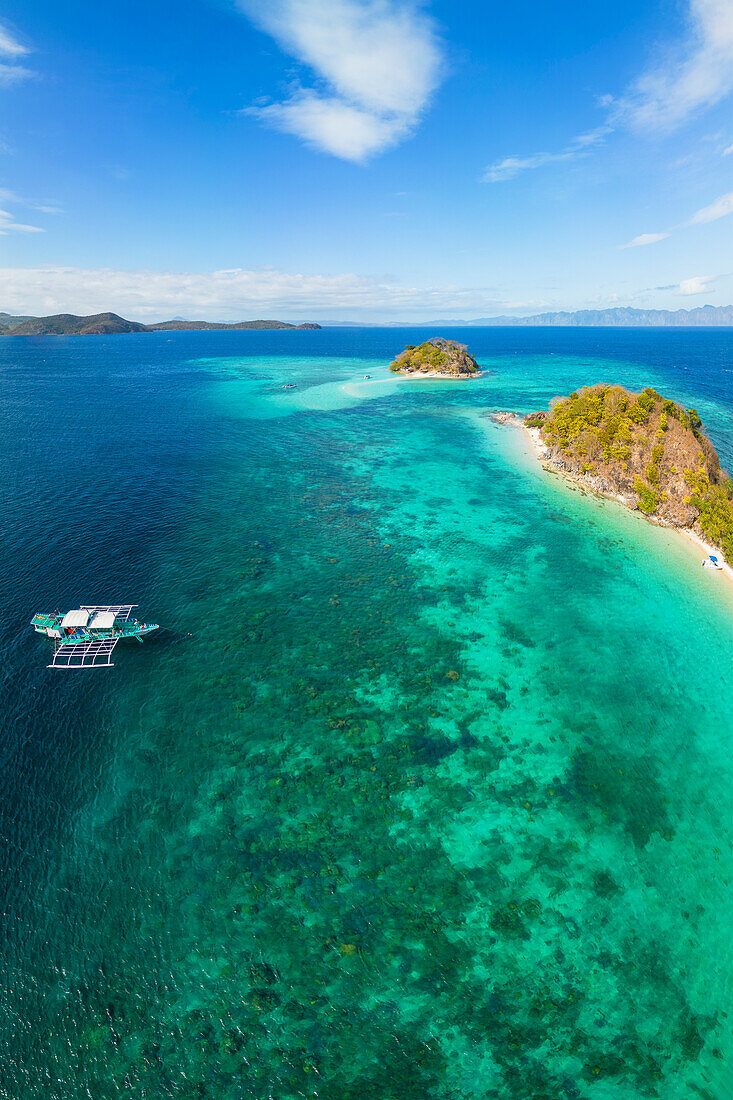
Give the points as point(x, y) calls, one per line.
point(101, 324)
point(646, 450)
point(437, 356)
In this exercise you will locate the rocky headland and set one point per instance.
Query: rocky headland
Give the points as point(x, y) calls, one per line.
point(645, 450)
point(436, 357)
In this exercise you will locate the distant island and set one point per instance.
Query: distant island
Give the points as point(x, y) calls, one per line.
point(69, 324)
point(438, 358)
point(103, 324)
point(644, 450)
point(618, 317)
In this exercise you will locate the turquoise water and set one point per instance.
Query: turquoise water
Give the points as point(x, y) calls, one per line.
point(424, 788)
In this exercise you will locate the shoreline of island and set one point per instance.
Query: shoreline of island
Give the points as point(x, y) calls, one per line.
point(690, 538)
point(445, 375)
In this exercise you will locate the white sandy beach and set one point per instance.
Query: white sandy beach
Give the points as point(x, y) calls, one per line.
point(353, 386)
point(417, 375)
point(696, 543)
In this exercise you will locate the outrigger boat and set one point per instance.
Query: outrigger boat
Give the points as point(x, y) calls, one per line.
point(85, 638)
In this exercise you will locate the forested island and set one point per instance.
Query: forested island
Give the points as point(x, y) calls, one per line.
point(438, 357)
point(103, 324)
point(643, 449)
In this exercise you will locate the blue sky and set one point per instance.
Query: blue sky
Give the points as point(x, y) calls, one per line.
point(365, 159)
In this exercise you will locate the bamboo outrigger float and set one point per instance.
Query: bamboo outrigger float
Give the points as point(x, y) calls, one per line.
point(86, 637)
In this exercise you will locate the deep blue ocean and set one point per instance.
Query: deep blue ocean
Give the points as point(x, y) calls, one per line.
point(424, 787)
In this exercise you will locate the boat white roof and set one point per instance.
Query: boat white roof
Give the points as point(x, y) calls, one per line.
point(103, 620)
point(75, 618)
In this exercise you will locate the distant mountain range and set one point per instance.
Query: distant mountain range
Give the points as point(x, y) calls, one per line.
point(626, 317)
point(68, 324)
point(621, 317)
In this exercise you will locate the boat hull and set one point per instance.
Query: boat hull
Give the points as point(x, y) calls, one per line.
point(50, 625)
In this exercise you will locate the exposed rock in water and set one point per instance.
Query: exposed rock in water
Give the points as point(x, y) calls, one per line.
point(436, 356)
point(647, 451)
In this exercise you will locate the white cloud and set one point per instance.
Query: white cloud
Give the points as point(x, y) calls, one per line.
point(377, 53)
point(8, 224)
point(6, 195)
point(9, 47)
point(334, 126)
point(721, 208)
point(646, 238)
point(718, 209)
point(698, 73)
point(377, 63)
point(10, 72)
point(242, 294)
point(697, 285)
point(234, 294)
point(591, 137)
point(509, 167)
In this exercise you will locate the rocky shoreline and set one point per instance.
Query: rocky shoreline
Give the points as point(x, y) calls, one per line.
point(692, 537)
point(601, 486)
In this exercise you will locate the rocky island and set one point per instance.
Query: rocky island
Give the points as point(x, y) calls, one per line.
point(438, 358)
point(644, 450)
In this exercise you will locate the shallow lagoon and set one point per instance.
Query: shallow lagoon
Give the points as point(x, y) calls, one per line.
point(425, 789)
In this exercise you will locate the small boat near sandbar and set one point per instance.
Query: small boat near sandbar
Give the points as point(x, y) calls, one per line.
point(712, 562)
point(86, 637)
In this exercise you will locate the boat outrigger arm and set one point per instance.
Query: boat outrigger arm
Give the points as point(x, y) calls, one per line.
point(94, 653)
point(86, 637)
